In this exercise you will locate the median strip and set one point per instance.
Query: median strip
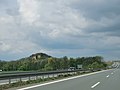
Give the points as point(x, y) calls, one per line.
point(95, 85)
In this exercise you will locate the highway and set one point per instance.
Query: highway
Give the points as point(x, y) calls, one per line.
point(104, 80)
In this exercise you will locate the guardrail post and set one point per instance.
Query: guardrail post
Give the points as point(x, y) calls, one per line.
point(29, 78)
point(20, 79)
point(42, 76)
point(53, 75)
point(36, 77)
point(9, 81)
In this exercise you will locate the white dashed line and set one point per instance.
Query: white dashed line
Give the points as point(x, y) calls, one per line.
point(95, 85)
point(107, 76)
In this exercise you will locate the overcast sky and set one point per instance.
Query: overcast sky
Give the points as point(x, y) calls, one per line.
point(73, 28)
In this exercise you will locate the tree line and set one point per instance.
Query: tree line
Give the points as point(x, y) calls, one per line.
point(52, 63)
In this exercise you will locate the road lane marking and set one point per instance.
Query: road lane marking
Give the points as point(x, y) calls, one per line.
point(39, 85)
point(95, 85)
point(107, 76)
point(111, 73)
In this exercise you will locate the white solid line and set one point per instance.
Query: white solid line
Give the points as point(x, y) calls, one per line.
point(60, 80)
point(95, 85)
point(107, 76)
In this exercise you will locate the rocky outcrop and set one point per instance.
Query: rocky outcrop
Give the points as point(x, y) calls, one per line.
point(39, 56)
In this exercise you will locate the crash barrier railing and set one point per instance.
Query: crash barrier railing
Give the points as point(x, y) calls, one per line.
point(36, 75)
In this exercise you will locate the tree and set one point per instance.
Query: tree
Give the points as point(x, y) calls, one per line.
point(72, 62)
point(51, 64)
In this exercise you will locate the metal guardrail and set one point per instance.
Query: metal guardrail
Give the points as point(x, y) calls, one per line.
point(25, 75)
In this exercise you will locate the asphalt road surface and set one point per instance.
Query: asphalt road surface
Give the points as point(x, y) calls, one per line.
point(105, 80)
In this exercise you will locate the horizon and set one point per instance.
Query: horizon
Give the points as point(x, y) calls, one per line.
point(72, 28)
point(57, 57)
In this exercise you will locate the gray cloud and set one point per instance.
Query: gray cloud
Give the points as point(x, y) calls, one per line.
point(97, 9)
point(60, 27)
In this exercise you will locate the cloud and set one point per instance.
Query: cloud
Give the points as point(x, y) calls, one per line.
point(60, 27)
point(28, 10)
point(4, 47)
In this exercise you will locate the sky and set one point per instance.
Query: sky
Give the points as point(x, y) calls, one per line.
point(73, 28)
